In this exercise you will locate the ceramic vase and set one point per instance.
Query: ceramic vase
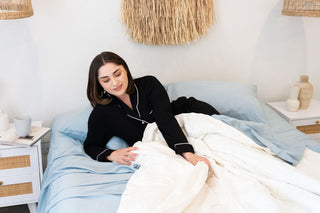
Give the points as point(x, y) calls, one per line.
point(4, 121)
point(306, 91)
point(292, 103)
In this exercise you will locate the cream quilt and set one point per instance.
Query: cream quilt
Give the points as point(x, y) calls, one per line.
point(243, 177)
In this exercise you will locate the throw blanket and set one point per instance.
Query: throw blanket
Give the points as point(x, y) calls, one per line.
point(243, 177)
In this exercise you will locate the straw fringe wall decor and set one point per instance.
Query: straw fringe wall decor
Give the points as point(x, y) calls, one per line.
point(14, 9)
point(165, 22)
point(309, 8)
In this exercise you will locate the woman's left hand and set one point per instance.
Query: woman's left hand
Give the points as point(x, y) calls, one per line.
point(194, 159)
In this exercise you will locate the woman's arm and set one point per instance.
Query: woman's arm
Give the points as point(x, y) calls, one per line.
point(100, 131)
point(164, 118)
point(168, 125)
point(97, 137)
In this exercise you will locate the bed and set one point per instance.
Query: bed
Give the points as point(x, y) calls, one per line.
point(73, 182)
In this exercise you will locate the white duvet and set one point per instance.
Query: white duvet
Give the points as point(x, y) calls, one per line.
point(243, 177)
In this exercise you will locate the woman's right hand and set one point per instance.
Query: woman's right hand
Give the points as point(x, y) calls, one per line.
point(123, 156)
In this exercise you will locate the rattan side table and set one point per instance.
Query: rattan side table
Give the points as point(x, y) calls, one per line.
point(21, 174)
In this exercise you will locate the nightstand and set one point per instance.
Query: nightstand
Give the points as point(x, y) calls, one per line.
point(307, 121)
point(21, 174)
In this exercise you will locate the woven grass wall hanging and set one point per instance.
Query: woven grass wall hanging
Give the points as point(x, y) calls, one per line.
point(165, 22)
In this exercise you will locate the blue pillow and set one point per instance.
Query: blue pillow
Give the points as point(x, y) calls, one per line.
point(73, 124)
point(237, 100)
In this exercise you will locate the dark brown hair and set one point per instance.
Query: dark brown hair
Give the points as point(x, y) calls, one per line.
point(95, 91)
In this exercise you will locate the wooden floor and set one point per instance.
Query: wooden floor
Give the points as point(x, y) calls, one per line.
point(15, 209)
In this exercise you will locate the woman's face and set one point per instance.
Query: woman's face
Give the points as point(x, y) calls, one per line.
point(113, 78)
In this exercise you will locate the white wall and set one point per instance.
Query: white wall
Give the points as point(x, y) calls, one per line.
point(45, 58)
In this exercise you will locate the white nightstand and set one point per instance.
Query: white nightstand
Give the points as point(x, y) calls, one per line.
point(20, 174)
point(307, 121)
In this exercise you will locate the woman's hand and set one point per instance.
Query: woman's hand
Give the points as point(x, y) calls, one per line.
point(194, 159)
point(123, 156)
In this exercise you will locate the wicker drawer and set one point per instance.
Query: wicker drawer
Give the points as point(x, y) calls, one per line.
point(18, 161)
point(19, 188)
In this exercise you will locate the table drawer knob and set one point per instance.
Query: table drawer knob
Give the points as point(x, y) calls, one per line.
point(317, 122)
point(1, 183)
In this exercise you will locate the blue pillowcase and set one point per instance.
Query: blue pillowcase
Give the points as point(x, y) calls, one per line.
point(237, 100)
point(73, 124)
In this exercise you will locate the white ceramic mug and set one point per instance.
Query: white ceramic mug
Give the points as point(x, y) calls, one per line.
point(22, 124)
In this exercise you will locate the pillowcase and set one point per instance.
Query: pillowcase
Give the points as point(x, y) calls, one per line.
point(237, 100)
point(73, 124)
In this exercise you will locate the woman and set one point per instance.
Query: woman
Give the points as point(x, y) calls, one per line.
point(123, 107)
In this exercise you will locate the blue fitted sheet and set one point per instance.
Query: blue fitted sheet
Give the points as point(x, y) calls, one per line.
point(289, 139)
point(75, 183)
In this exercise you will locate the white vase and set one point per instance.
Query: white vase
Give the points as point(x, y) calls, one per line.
point(4, 121)
point(292, 103)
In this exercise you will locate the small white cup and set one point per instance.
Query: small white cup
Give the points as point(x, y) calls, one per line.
point(22, 124)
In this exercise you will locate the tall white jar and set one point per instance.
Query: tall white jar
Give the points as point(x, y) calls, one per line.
point(292, 103)
point(4, 121)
